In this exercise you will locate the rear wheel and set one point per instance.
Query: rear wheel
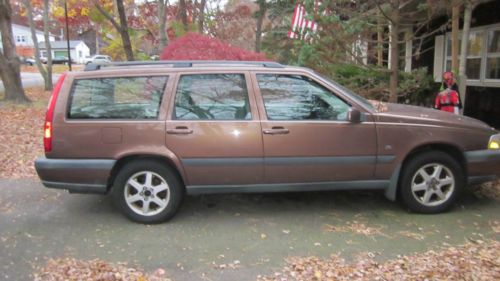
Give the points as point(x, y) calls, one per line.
point(147, 192)
point(431, 181)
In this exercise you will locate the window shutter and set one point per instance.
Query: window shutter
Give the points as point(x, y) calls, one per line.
point(438, 58)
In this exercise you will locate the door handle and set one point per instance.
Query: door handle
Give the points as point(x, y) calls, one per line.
point(276, 131)
point(181, 130)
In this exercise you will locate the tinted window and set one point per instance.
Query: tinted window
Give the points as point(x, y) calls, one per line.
point(117, 98)
point(294, 97)
point(212, 97)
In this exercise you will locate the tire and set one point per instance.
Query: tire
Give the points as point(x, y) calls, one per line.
point(147, 192)
point(431, 182)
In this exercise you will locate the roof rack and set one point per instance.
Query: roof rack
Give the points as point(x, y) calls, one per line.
point(182, 64)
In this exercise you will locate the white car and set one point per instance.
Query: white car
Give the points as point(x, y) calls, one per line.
point(99, 59)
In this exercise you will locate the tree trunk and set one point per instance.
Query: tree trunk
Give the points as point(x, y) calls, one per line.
point(454, 35)
point(127, 45)
point(394, 67)
point(261, 14)
point(462, 77)
point(121, 27)
point(380, 41)
point(46, 73)
point(162, 18)
point(46, 33)
point(201, 16)
point(9, 62)
point(182, 14)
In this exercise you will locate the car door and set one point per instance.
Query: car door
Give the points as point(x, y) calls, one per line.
point(306, 134)
point(213, 128)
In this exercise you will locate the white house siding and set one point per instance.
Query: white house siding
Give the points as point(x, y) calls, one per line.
point(22, 36)
point(78, 50)
point(81, 51)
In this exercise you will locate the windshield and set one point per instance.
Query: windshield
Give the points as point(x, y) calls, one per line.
point(350, 93)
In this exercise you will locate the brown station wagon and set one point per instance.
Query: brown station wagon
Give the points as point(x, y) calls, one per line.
point(149, 133)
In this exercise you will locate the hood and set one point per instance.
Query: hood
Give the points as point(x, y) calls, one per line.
point(390, 112)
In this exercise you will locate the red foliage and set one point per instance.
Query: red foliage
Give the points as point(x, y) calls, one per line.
point(194, 46)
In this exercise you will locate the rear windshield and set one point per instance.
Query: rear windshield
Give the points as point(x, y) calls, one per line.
point(117, 98)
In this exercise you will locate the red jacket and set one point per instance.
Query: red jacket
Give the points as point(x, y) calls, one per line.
point(448, 100)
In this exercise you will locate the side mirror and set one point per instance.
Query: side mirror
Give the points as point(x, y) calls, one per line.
point(354, 115)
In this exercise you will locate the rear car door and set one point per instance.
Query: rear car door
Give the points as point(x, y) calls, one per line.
point(306, 135)
point(214, 130)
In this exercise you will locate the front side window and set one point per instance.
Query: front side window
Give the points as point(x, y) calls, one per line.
point(295, 97)
point(117, 98)
point(212, 97)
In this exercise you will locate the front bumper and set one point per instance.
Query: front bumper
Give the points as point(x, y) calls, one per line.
point(483, 165)
point(75, 175)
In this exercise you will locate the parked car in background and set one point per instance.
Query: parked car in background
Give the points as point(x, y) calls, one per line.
point(151, 132)
point(97, 59)
point(29, 61)
point(57, 60)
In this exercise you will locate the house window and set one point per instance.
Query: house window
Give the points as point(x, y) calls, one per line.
point(483, 56)
point(475, 47)
point(493, 55)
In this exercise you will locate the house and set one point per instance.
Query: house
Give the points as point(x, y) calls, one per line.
point(78, 50)
point(24, 42)
point(482, 99)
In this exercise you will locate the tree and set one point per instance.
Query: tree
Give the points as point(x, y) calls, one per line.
point(260, 14)
point(121, 25)
point(45, 72)
point(194, 46)
point(9, 62)
point(162, 18)
point(394, 34)
point(182, 14)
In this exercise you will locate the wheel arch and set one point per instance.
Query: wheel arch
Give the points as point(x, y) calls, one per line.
point(122, 161)
point(454, 151)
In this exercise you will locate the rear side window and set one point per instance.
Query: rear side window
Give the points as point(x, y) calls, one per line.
point(212, 97)
point(117, 98)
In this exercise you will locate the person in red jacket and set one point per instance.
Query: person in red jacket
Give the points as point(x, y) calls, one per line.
point(448, 100)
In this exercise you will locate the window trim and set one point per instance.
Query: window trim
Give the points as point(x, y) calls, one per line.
point(254, 116)
point(159, 117)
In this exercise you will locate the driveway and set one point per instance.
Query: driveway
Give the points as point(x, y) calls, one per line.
point(255, 233)
point(30, 79)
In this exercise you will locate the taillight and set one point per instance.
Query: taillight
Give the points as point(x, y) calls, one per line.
point(49, 116)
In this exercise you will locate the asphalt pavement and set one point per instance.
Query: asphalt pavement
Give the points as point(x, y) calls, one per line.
point(30, 79)
point(253, 232)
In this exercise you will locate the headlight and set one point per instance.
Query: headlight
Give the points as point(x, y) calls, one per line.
point(494, 143)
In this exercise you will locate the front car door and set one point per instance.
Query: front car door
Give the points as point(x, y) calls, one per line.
point(213, 128)
point(306, 135)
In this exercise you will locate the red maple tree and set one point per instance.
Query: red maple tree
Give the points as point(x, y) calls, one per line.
point(194, 46)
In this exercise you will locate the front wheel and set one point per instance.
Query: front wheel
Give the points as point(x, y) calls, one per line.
point(430, 182)
point(147, 192)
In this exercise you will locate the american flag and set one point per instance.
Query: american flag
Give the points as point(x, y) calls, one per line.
point(300, 23)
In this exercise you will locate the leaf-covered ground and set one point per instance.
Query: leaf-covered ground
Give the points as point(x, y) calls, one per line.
point(476, 260)
point(56, 68)
point(21, 135)
point(95, 270)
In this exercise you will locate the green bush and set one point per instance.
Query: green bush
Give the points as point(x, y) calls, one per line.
point(416, 87)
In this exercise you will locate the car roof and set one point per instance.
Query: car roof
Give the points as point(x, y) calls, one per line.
point(185, 64)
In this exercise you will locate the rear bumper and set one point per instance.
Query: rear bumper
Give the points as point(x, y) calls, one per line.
point(483, 165)
point(75, 175)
